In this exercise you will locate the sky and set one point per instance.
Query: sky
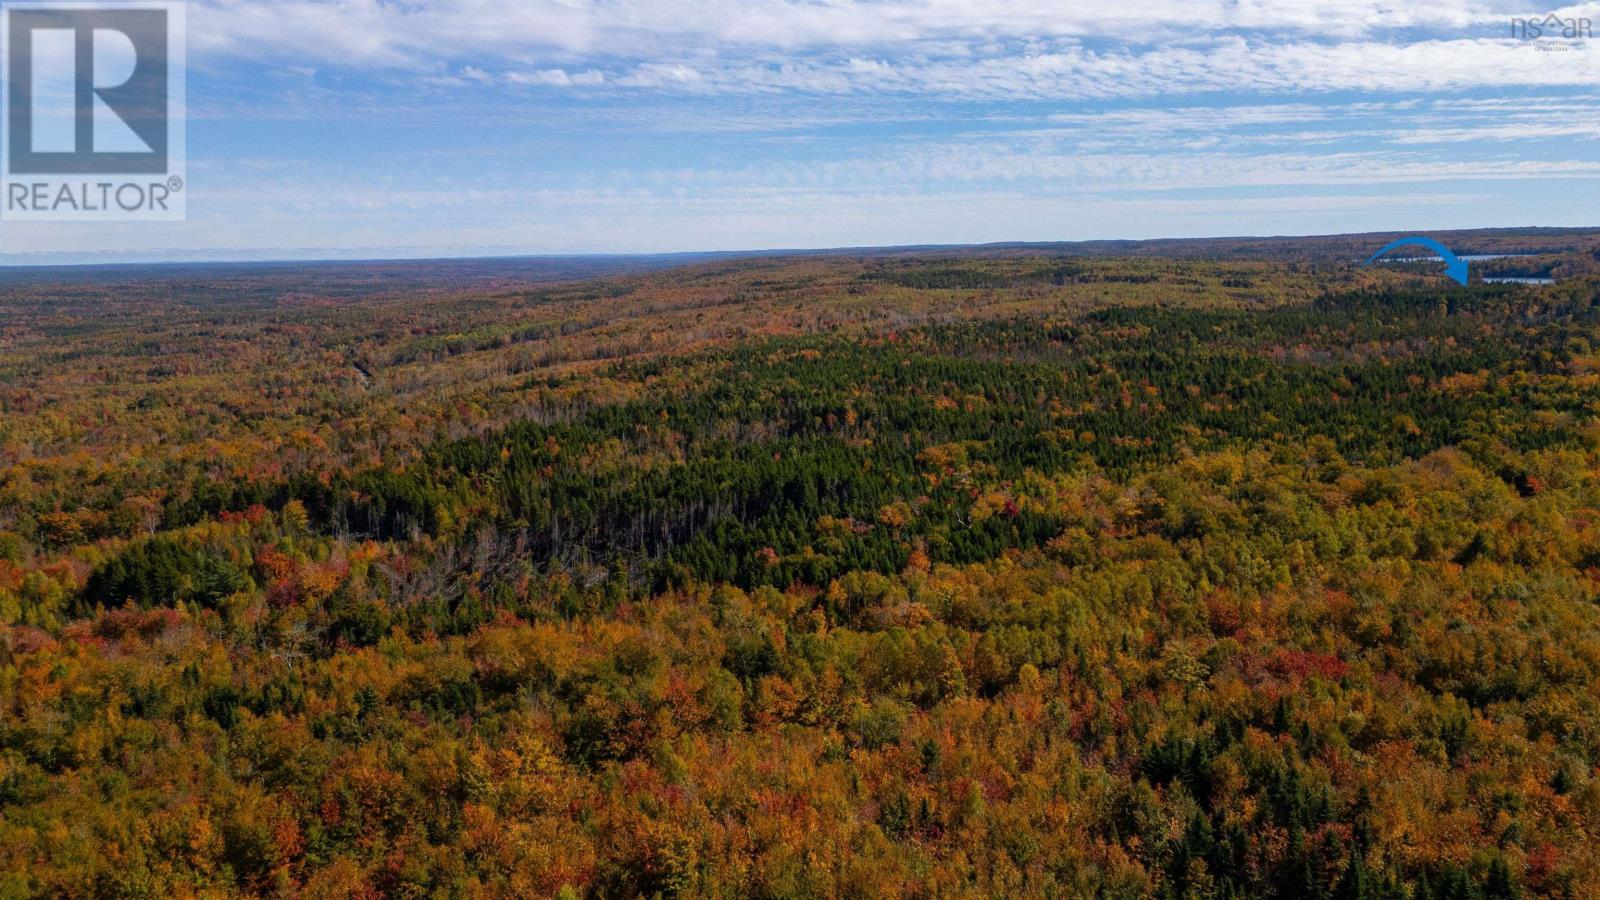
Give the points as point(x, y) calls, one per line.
point(402, 128)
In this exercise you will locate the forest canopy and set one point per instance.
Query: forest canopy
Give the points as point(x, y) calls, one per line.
point(993, 574)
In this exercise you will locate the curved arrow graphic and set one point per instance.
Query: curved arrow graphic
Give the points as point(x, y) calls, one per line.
point(1455, 266)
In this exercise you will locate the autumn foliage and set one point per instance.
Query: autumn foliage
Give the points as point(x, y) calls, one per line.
point(1003, 575)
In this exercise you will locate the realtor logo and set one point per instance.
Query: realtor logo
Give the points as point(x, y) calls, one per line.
point(1553, 32)
point(93, 110)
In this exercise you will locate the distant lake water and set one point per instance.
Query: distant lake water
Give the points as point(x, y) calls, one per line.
point(1481, 257)
point(1478, 257)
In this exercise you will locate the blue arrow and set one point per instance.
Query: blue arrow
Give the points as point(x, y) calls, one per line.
point(1455, 266)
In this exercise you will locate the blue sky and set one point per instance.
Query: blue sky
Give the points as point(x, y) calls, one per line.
point(459, 127)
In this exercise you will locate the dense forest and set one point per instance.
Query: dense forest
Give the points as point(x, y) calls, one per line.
point(1012, 573)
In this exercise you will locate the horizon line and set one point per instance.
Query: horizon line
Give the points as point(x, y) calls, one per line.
point(42, 261)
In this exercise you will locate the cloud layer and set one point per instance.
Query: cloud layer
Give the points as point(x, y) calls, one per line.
point(1033, 48)
point(371, 127)
point(384, 32)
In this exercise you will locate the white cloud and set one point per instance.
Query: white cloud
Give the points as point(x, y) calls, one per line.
point(1230, 64)
point(650, 75)
point(1038, 48)
point(386, 32)
point(557, 78)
